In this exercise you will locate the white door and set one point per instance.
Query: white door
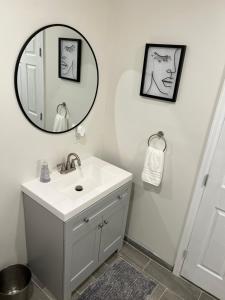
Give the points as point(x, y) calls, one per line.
point(205, 261)
point(30, 80)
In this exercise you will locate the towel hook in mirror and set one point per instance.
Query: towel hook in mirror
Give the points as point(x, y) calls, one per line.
point(159, 135)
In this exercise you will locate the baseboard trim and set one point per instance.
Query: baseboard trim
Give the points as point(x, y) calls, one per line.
point(148, 253)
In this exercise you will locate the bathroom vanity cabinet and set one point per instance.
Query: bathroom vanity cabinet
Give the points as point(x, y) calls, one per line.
point(62, 254)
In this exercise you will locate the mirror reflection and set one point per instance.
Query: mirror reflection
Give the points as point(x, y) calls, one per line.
point(56, 78)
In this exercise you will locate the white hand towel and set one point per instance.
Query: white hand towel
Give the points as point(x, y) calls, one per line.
point(60, 123)
point(153, 167)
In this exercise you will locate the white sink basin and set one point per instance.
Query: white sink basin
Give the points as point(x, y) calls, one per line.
point(97, 178)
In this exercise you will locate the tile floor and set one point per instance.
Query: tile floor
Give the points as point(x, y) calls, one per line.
point(169, 287)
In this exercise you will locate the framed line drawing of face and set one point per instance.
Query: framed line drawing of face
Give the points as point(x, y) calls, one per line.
point(162, 71)
point(69, 59)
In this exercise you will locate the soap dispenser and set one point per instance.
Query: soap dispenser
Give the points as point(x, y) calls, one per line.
point(44, 176)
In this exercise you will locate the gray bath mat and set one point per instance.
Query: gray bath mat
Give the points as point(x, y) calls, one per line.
point(120, 282)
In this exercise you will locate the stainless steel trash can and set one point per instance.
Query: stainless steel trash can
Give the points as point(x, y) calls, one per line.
point(15, 283)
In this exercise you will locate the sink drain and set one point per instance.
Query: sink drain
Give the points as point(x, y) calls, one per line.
point(78, 188)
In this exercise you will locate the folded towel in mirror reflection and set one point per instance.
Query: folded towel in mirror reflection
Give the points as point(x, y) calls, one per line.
point(61, 123)
point(153, 166)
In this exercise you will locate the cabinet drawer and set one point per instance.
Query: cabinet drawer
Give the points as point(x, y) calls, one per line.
point(89, 214)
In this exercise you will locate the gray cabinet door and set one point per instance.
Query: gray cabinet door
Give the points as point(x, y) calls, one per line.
point(114, 221)
point(84, 247)
point(87, 245)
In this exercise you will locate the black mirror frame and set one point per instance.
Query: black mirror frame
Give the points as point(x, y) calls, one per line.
point(16, 72)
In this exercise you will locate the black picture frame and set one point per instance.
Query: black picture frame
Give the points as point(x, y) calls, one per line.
point(72, 72)
point(161, 72)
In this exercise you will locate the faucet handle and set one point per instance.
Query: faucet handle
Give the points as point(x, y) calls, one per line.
point(61, 167)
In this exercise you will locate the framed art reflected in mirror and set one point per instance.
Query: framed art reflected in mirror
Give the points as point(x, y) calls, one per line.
point(162, 71)
point(69, 59)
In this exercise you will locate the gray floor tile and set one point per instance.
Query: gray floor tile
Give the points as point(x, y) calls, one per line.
point(85, 284)
point(102, 269)
point(169, 295)
point(75, 296)
point(169, 287)
point(177, 285)
point(133, 256)
point(112, 259)
point(157, 292)
point(48, 294)
point(205, 296)
point(37, 294)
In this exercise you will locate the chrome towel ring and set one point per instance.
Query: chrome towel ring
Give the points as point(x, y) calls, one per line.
point(159, 135)
point(62, 106)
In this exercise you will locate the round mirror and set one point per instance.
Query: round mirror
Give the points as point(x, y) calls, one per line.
point(56, 78)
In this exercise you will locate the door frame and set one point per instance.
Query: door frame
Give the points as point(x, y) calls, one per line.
point(208, 152)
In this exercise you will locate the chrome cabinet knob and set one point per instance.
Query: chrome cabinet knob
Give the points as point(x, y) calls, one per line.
point(120, 197)
point(106, 222)
point(100, 226)
point(86, 220)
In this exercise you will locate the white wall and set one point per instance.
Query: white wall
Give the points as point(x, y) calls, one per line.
point(77, 95)
point(157, 215)
point(22, 145)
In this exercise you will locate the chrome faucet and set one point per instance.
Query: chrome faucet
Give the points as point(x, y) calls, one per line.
point(70, 164)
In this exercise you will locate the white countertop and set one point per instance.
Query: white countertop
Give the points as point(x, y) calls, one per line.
point(58, 196)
